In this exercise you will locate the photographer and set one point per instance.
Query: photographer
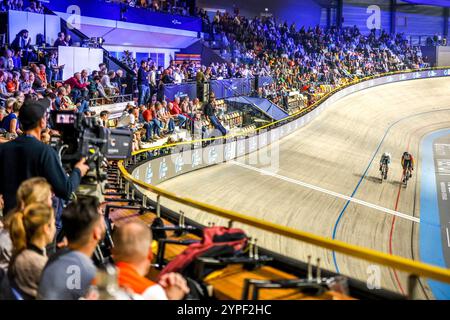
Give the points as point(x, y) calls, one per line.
point(28, 157)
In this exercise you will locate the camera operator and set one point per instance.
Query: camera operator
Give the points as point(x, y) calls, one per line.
point(27, 157)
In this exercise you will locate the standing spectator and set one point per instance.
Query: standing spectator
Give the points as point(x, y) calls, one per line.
point(152, 80)
point(84, 228)
point(84, 79)
point(200, 79)
point(143, 85)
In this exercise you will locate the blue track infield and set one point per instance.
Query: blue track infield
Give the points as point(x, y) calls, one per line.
point(430, 239)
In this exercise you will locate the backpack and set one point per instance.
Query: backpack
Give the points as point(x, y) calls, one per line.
point(217, 242)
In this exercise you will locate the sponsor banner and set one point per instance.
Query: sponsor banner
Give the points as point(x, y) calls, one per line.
point(264, 81)
point(227, 88)
point(171, 91)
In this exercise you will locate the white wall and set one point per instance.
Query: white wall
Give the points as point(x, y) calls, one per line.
point(35, 23)
point(76, 59)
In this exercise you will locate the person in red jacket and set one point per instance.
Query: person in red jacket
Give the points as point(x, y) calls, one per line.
point(80, 90)
point(151, 125)
point(175, 111)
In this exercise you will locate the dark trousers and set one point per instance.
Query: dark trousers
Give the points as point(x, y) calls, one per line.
point(216, 123)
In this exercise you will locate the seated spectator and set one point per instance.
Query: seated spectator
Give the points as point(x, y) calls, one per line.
point(119, 82)
point(4, 93)
point(61, 41)
point(79, 90)
point(31, 191)
point(22, 43)
point(17, 59)
point(96, 89)
point(129, 117)
point(55, 70)
point(175, 111)
point(11, 122)
point(68, 40)
point(151, 124)
point(84, 227)
point(40, 82)
point(13, 83)
point(110, 89)
point(7, 60)
point(26, 85)
point(63, 101)
point(42, 75)
point(132, 253)
point(31, 231)
point(35, 7)
point(164, 117)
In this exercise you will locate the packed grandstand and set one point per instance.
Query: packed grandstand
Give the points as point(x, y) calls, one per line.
point(43, 230)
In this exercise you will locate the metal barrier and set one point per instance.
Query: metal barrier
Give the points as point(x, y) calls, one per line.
point(414, 268)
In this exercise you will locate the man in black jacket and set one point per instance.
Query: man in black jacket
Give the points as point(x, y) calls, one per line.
point(143, 85)
point(27, 157)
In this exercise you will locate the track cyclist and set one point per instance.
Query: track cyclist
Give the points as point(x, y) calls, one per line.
point(384, 164)
point(408, 165)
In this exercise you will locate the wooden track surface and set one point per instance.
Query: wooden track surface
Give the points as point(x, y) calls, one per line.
point(333, 152)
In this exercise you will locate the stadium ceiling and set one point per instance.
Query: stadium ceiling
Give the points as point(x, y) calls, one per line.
point(438, 3)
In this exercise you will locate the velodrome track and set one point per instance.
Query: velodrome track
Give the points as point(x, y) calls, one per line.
point(323, 164)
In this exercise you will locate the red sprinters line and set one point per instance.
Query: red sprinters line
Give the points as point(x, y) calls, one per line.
point(391, 233)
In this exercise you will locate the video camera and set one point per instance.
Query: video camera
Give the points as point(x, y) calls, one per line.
point(83, 136)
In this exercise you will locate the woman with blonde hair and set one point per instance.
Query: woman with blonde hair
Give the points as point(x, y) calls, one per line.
point(34, 190)
point(31, 230)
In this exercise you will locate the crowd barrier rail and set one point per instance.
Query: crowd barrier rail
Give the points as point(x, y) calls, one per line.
point(280, 128)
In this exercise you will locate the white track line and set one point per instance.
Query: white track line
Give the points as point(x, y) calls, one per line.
point(332, 193)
